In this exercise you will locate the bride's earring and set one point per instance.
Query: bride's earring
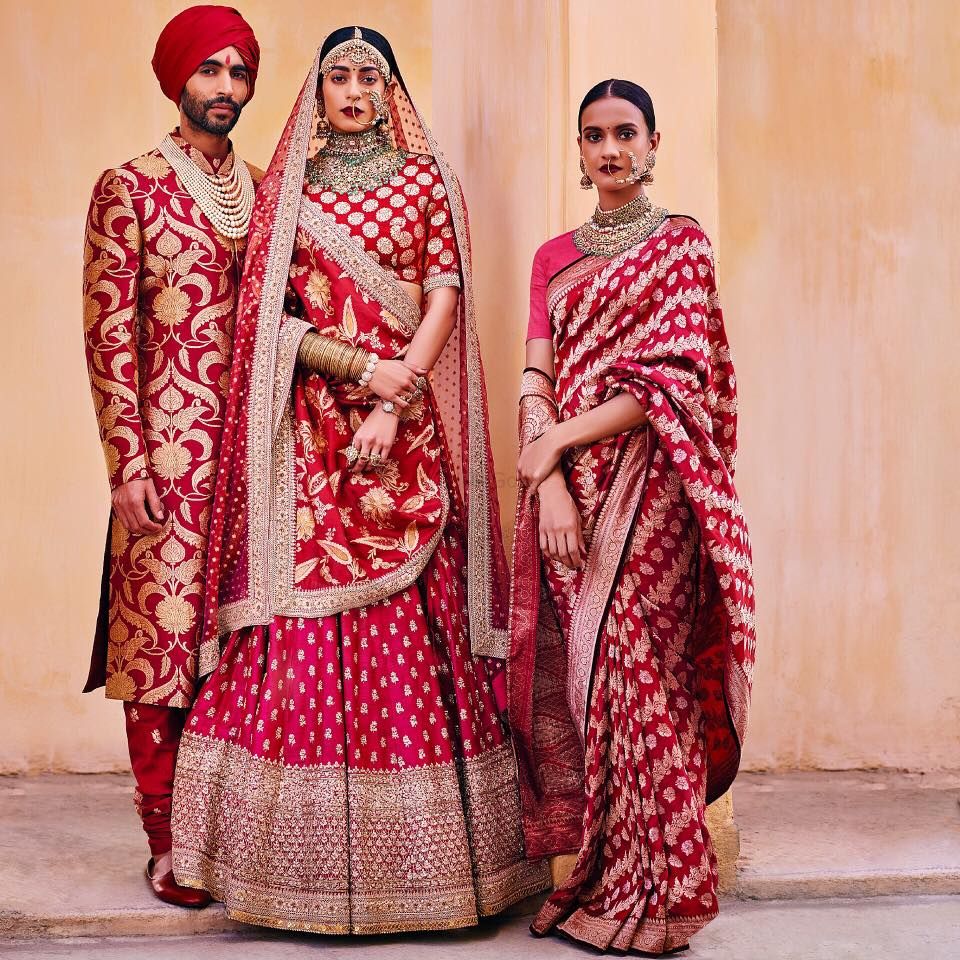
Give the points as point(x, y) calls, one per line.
point(323, 124)
point(585, 182)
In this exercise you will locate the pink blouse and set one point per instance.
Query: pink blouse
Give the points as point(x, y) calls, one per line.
point(548, 261)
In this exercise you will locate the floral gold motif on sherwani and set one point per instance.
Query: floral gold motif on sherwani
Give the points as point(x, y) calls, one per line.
point(630, 677)
point(160, 288)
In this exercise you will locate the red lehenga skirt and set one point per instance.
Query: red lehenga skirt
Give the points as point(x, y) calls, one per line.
point(355, 774)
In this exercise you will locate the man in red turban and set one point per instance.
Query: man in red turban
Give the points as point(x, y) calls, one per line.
point(165, 241)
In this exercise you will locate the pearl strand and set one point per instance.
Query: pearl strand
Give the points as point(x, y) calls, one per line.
point(226, 201)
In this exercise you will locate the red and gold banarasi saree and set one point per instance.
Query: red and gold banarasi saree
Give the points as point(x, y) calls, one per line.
point(630, 678)
point(347, 767)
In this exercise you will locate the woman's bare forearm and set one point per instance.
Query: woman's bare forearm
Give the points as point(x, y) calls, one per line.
point(435, 328)
point(619, 414)
point(540, 355)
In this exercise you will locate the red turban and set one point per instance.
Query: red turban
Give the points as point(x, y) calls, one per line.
point(191, 36)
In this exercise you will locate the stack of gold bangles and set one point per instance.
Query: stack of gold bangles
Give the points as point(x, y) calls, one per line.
point(337, 359)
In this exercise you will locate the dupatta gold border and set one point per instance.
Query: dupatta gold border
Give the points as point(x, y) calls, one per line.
point(485, 638)
point(377, 283)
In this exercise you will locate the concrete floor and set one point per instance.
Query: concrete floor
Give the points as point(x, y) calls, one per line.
point(72, 855)
point(847, 833)
point(888, 928)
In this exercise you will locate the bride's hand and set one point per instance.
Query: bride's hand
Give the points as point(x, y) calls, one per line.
point(374, 439)
point(395, 380)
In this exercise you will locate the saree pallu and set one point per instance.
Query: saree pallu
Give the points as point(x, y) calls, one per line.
point(346, 767)
point(629, 679)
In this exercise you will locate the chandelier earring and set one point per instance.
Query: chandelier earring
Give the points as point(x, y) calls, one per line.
point(323, 124)
point(585, 182)
point(646, 175)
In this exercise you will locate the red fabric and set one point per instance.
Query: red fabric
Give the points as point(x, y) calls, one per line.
point(160, 289)
point(153, 736)
point(549, 260)
point(663, 672)
point(192, 35)
point(384, 687)
point(416, 243)
point(237, 592)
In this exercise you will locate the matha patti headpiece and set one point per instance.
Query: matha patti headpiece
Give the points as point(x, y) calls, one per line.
point(358, 51)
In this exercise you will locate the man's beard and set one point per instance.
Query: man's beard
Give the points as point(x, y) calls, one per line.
point(196, 112)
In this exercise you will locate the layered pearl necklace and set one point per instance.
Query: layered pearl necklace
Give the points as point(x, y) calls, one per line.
point(354, 162)
point(611, 232)
point(226, 201)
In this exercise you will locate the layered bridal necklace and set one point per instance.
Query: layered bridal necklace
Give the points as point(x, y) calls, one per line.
point(225, 200)
point(355, 162)
point(611, 232)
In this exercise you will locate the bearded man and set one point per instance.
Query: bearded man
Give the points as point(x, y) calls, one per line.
point(165, 240)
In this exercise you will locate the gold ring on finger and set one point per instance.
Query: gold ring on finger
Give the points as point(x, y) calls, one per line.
point(351, 453)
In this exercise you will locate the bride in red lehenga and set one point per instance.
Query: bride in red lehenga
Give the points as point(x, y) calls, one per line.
point(632, 631)
point(346, 767)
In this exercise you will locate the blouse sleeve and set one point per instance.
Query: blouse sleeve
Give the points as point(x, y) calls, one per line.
point(441, 258)
point(539, 323)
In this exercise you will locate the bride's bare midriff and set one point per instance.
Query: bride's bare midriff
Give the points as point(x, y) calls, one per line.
point(414, 291)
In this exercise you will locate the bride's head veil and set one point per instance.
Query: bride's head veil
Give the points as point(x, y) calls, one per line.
point(458, 381)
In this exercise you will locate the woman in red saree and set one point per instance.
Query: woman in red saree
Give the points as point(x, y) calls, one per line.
point(632, 632)
point(346, 767)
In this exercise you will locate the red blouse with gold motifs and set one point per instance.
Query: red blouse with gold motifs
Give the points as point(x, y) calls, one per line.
point(160, 293)
point(404, 225)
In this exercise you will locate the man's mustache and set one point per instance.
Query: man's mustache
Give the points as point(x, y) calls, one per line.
point(222, 102)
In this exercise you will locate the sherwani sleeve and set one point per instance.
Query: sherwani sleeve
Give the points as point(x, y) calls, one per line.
point(111, 275)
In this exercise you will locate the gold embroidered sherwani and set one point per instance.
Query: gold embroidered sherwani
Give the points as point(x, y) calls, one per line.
point(160, 291)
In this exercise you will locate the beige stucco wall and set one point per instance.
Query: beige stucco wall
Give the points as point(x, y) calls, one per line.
point(78, 95)
point(817, 143)
point(839, 209)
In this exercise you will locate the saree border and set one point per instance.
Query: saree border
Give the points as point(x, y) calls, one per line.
point(590, 607)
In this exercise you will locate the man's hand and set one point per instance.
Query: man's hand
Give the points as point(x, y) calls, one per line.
point(135, 502)
point(561, 535)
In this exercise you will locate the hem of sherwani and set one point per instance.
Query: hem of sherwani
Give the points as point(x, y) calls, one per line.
point(309, 848)
point(652, 935)
point(180, 700)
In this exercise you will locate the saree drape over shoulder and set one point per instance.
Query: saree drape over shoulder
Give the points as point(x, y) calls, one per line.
point(346, 768)
point(630, 678)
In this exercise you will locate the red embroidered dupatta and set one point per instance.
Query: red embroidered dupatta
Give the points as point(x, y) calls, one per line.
point(254, 569)
point(647, 322)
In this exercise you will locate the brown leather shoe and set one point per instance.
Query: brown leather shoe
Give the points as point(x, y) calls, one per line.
point(168, 890)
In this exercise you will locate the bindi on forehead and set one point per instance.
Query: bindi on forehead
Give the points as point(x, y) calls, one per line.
point(229, 59)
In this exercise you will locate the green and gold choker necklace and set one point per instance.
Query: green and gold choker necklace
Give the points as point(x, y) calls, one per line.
point(354, 162)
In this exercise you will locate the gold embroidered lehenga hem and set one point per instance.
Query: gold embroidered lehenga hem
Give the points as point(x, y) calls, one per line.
point(327, 849)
